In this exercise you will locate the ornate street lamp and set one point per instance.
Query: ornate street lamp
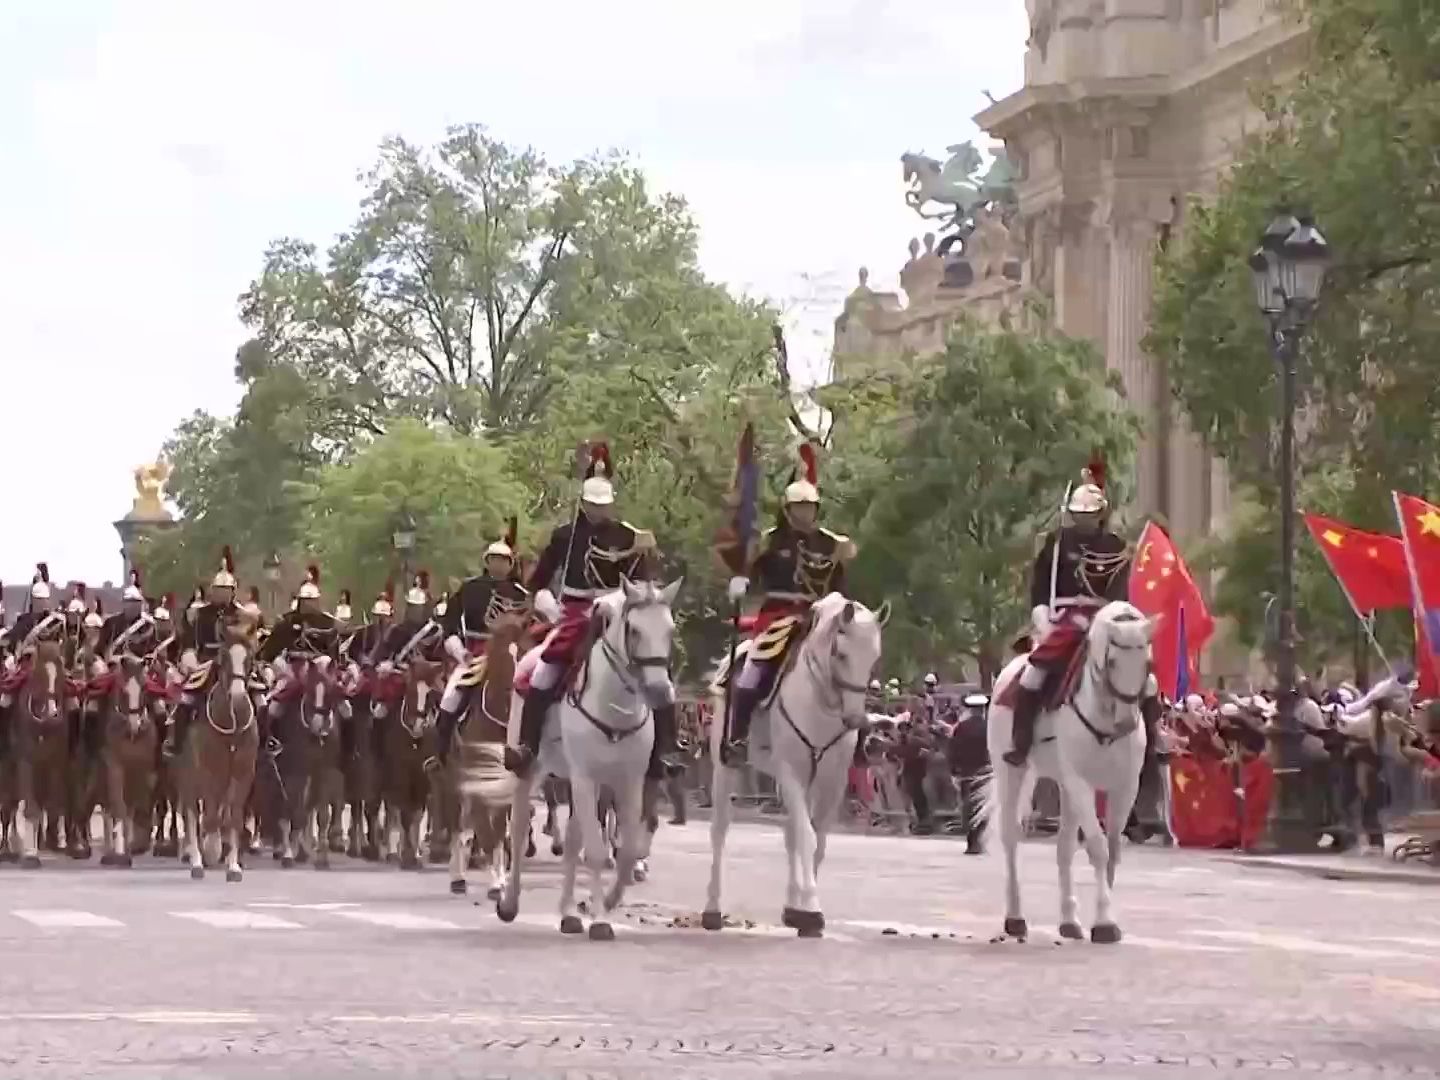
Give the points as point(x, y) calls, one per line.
point(271, 568)
point(1288, 269)
point(402, 539)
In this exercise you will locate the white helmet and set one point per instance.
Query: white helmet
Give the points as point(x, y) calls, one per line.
point(40, 588)
point(932, 679)
point(1089, 496)
point(499, 550)
point(77, 605)
point(94, 620)
point(132, 591)
point(419, 594)
point(440, 609)
point(384, 605)
point(310, 587)
point(596, 489)
point(343, 611)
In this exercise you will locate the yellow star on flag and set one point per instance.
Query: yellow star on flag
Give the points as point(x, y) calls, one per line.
point(1373, 552)
point(1429, 522)
point(1333, 538)
point(1182, 781)
point(1151, 584)
point(1165, 571)
point(1144, 556)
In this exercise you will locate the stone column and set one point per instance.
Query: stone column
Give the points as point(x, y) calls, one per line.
point(1132, 248)
point(1082, 263)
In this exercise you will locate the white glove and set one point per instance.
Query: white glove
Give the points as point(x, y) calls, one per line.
point(385, 667)
point(546, 606)
point(455, 649)
point(1040, 619)
point(739, 586)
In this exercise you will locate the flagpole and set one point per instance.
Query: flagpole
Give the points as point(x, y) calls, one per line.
point(1417, 612)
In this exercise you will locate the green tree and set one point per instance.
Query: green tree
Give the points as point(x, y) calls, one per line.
point(950, 494)
point(1351, 140)
point(458, 491)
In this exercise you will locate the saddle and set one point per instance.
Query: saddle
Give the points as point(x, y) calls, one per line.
point(474, 673)
point(200, 677)
point(774, 645)
point(1056, 690)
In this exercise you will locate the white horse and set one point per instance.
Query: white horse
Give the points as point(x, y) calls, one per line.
point(602, 738)
point(1092, 742)
point(804, 737)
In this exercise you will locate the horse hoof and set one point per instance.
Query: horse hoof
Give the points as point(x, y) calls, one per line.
point(811, 931)
point(571, 924)
point(275, 855)
point(506, 912)
point(609, 862)
point(337, 847)
point(234, 876)
point(1017, 929)
point(197, 873)
point(494, 892)
point(322, 863)
point(712, 920)
point(1105, 934)
point(530, 850)
point(602, 931)
point(458, 887)
point(1071, 931)
point(108, 859)
point(286, 862)
point(411, 863)
point(124, 861)
point(641, 872)
point(302, 856)
point(805, 923)
point(30, 862)
point(439, 855)
point(392, 858)
point(557, 850)
point(789, 916)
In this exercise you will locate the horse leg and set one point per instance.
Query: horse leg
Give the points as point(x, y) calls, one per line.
point(584, 799)
point(234, 818)
point(508, 905)
point(634, 834)
point(1066, 841)
point(1119, 800)
point(713, 917)
point(192, 840)
point(569, 865)
point(497, 821)
point(323, 819)
point(805, 914)
point(461, 840)
point(1081, 797)
point(1010, 784)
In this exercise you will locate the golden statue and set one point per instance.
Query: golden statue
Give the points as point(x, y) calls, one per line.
point(150, 491)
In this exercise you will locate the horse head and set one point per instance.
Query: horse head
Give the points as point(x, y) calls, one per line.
point(640, 636)
point(847, 640)
point(319, 696)
point(236, 662)
point(47, 684)
point(416, 713)
point(129, 699)
point(1119, 650)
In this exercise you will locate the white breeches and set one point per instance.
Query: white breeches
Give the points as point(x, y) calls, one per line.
point(454, 697)
point(751, 672)
point(546, 675)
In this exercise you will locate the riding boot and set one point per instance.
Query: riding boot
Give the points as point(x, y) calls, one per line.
point(269, 744)
point(179, 727)
point(446, 723)
point(520, 759)
point(1022, 737)
point(664, 757)
point(743, 704)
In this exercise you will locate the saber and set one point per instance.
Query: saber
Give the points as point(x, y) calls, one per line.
point(1055, 552)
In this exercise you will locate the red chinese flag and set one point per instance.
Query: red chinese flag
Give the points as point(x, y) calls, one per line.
point(1203, 805)
point(1420, 530)
point(1369, 566)
point(1161, 585)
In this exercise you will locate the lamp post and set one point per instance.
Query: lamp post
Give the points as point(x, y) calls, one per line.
point(402, 539)
point(271, 567)
point(1288, 269)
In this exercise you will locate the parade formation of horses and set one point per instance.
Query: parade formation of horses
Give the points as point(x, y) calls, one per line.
point(407, 739)
point(810, 723)
point(41, 750)
point(1088, 739)
point(601, 738)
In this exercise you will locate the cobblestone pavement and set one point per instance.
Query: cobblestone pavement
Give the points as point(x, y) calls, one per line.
point(373, 972)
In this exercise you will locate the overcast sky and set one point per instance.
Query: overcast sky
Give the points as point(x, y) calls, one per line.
point(152, 149)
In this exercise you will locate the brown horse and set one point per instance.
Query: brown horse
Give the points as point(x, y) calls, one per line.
point(220, 757)
point(408, 740)
point(476, 776)
point(308, 767)
point(41, 749)
point(361, 765)
point(127, 761)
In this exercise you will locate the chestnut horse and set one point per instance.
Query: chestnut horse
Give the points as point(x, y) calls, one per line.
point(476, 776)
point(308, 770)
point(408, 739)
point(220, 758)
point(127, 758)
point(41, 749)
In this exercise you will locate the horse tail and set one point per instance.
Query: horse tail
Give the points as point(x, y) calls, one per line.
point(988, 796)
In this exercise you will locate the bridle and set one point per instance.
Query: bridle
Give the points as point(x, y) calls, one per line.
point(824, 676)
point(413, 683)
point(52, 696)
point(228, 673)
point(1097, 670)
point(625, 665)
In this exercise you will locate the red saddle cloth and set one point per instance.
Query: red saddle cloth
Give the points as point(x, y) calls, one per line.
point(1059, 689)
point(388, 687)
point(15, 679)
point(101, 685)
point(156, 686)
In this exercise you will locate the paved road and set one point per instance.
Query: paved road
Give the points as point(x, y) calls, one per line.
point(372, 972)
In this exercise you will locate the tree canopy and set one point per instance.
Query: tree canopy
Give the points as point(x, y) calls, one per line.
point(1353, 142)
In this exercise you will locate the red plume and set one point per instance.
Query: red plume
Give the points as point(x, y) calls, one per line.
point(312, 574)
point(345, 596)
point(99, 608)
point(1094, 472)
point(255, 595)
point(169, 601)
point(810, 462)
point(43, 569)
point(512, 532)
point(599, 461)
point(135, 576)
point(80, 589)
point(389, 593)
point(227, 559)
point(422, 580)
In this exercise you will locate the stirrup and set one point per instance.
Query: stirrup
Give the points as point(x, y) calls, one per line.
point(519, 760)
point(734, 752)
point(1010, 757)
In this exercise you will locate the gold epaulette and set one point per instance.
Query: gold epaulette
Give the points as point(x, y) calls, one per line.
point(845, 548)
point(644, 538)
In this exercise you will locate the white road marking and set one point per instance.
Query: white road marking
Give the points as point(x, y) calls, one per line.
point(66, 919)
point(397, 920)
point(1289, 943)
point(337, 906)
point(238, 920)
point(1421, 942)
point(1177, 946)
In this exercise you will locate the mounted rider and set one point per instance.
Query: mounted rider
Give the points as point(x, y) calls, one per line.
point(369, 639)
point(469, 617)
point(418, 634)
point(131, 630)
point(1081, 567)
point(40, 622)
point(795, 564)
point(591, 555)
point(306, 634)
point(201, 638)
